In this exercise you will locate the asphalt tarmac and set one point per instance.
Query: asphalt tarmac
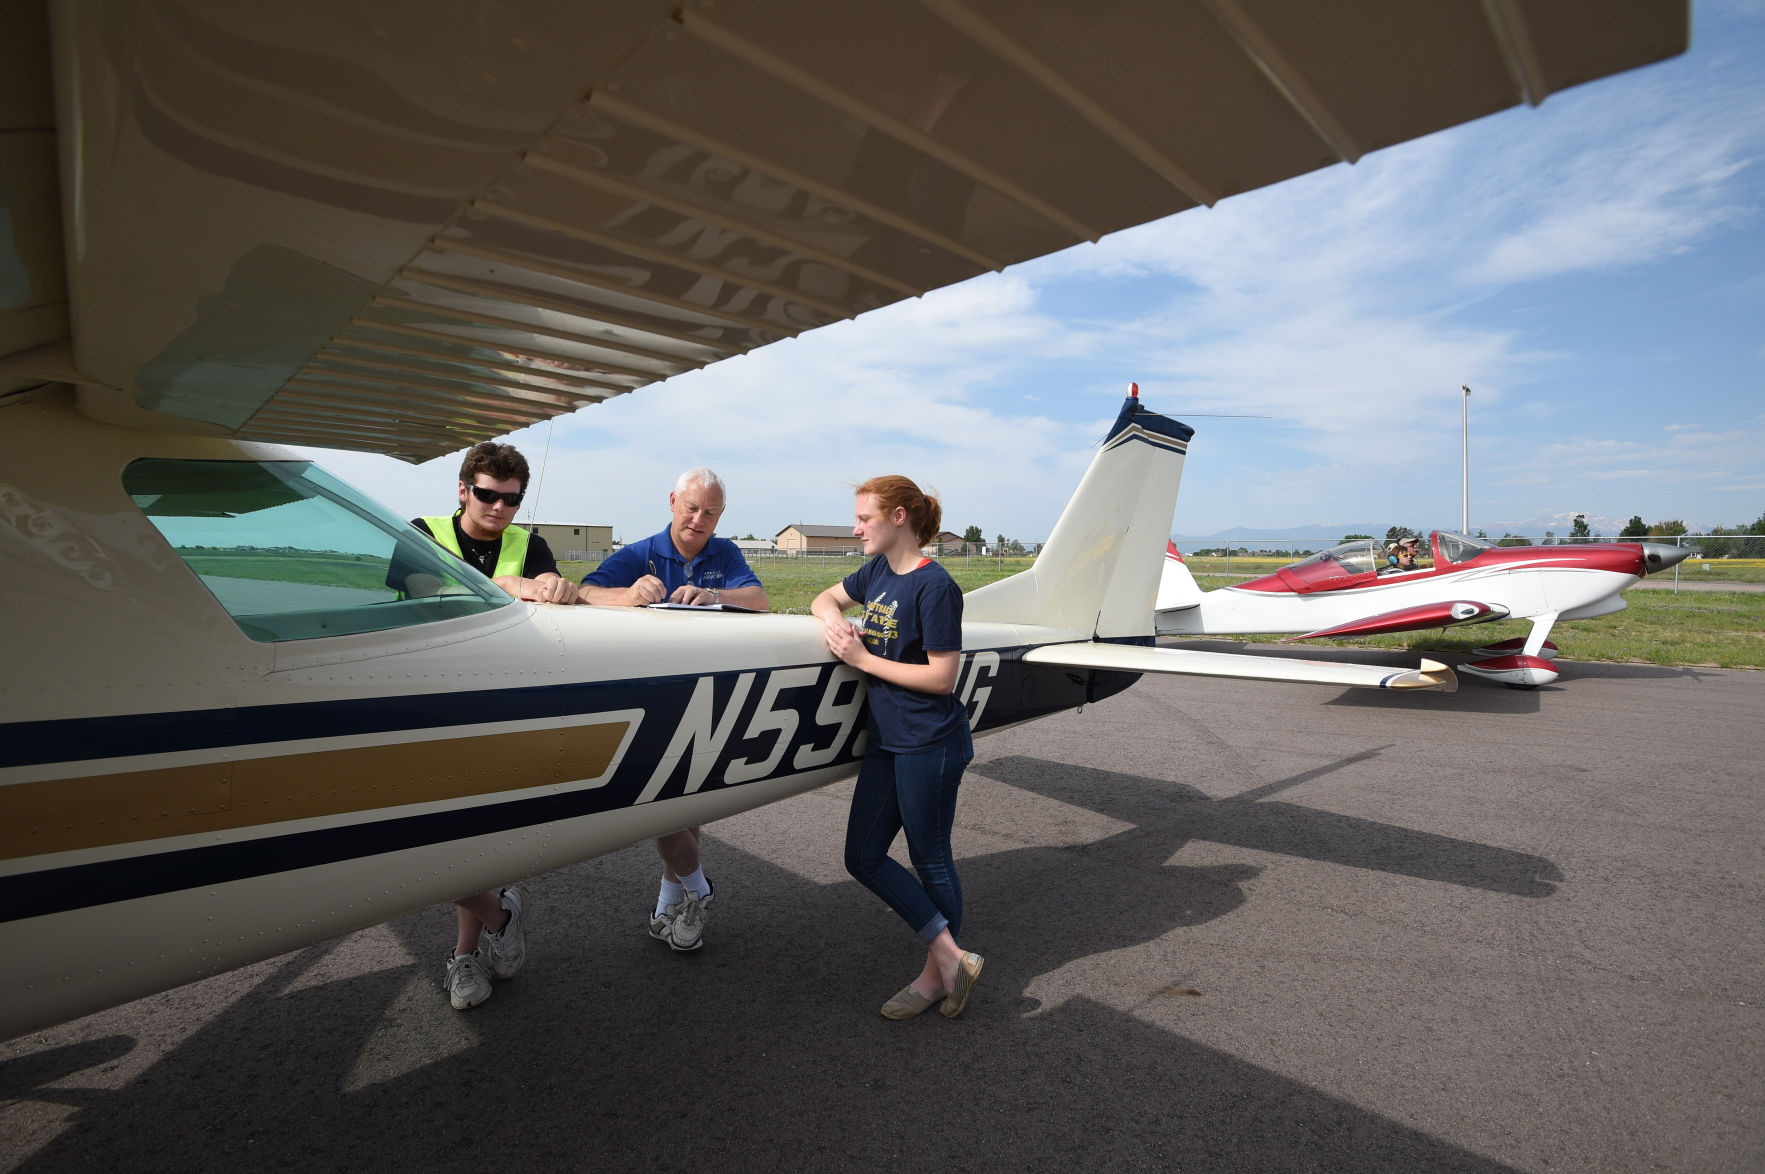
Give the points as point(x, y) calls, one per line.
point(1228, 926)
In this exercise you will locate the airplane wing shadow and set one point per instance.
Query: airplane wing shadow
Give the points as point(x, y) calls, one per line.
point(1167, 815)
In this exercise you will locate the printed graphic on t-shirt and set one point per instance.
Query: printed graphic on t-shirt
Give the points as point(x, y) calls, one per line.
point(880, 624)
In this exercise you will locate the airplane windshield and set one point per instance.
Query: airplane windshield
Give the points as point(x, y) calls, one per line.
point(1354, 558)
point(294, 554)
point(1459, 548)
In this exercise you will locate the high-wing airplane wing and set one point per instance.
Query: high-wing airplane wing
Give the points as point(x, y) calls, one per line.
point(403, 228)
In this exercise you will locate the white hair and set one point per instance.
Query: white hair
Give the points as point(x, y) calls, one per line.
point(703, 477)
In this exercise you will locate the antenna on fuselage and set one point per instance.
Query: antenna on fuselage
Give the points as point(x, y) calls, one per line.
point(533, 507)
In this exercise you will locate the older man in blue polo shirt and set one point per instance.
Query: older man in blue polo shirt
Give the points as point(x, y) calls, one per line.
point(685, 563)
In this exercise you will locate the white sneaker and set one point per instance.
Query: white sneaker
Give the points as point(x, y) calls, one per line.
point(686, 931)
point(507, 948)
point(660, 922)
point(468, 982)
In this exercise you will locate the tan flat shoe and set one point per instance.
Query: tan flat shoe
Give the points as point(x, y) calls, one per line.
point(908, 1002)
point(967, 972)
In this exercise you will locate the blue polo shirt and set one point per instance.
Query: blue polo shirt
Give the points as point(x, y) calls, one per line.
point(720, 565)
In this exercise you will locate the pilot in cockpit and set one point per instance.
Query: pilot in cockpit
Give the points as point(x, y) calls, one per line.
point(1400, 556)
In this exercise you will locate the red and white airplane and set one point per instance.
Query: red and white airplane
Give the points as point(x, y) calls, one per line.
point(1349, 591)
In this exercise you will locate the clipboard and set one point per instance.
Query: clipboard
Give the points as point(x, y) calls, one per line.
point(666, 606)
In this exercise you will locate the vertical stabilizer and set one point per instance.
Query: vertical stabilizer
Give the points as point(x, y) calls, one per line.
point(1098, 573)
point(1177, 589)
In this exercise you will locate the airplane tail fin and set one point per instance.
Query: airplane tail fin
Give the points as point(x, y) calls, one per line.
point(1177, 589)
point(1098, 573)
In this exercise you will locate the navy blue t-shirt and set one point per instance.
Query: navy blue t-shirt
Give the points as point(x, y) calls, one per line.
point(905, 617)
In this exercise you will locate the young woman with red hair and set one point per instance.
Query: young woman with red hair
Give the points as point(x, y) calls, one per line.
point(909, 644)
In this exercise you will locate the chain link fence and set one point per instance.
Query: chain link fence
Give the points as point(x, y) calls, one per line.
point(1251, 554)
point(950, 554)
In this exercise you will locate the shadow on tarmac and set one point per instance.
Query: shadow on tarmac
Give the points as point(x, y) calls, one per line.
point(1167, 814)
point(34, 1075)
point(613, 1053)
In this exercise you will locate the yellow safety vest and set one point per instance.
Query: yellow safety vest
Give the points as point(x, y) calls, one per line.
point(509, 560)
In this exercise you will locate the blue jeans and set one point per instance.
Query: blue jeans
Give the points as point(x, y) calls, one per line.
point(916, 792)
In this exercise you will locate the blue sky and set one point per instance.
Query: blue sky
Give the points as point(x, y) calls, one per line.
point(1593, 268)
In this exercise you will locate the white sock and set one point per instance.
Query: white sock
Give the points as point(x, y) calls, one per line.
point(670, 895)
point(696, 883)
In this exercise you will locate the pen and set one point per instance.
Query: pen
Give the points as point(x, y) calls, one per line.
point(653, 567)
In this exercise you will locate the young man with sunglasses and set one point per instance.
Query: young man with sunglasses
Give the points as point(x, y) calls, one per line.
point(493, 481)
point(482, 533)
point(685, 563)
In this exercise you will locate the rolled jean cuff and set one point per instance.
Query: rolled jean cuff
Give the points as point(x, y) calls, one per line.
point(931, 929)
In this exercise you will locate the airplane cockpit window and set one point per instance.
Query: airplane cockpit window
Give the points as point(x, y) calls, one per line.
point(294, 554)
point(1459, 548)
point(1354, 558)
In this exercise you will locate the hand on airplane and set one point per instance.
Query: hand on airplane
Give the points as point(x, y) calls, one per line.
point(687, 593)
point(551, 589)
point(843, 641)
point(545, 589)
point(647, 590)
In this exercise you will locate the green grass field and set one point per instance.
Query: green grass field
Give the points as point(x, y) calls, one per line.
point(793, 583)
point(331, 570)
point(1725, 629)
point(1721, 570)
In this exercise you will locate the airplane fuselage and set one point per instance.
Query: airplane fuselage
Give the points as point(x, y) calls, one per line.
point(1574, 582)
point(194, 776)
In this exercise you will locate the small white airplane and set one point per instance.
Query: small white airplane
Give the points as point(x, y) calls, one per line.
point(1349, 590)
point(235, 225)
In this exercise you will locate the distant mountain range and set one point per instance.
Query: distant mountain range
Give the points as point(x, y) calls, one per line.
point(1558, 524)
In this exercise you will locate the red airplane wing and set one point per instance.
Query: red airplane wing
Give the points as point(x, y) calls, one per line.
point(1410, 619)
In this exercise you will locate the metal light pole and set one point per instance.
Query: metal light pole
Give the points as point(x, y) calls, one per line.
point(1465, 465)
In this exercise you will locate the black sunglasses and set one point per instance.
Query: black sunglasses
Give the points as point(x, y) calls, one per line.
point(512, 500)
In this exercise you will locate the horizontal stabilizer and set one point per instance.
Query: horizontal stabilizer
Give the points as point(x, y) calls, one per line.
point(1412, 619)
point(1136, 658)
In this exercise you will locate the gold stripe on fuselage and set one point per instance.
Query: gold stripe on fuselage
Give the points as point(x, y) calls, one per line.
point(93, 811)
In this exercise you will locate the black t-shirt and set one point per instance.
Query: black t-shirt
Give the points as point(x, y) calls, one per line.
point(480, 554)
point(905, 617)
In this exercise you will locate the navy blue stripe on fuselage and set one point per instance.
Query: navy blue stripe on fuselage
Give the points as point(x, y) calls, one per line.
point(84, 739)
point(1016, 692)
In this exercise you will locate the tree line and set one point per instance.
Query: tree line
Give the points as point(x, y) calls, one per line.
point(1747, 541)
